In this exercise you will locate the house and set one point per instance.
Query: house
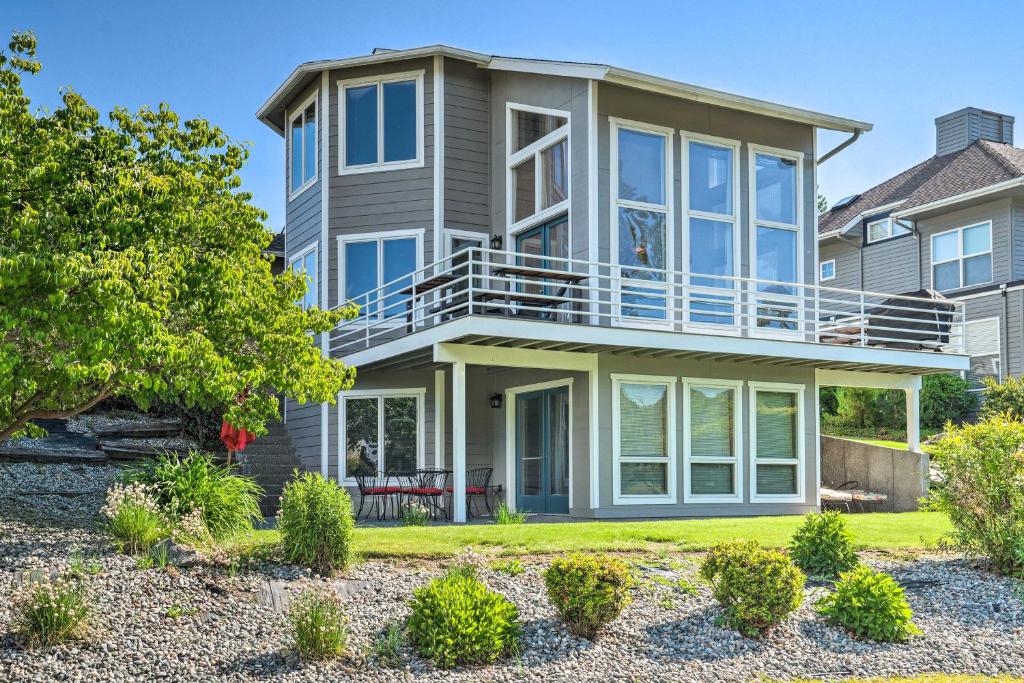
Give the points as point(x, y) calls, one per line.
point(952, 223)
point(598, 283)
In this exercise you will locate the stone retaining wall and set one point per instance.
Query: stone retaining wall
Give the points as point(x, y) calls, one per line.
point(899, 474)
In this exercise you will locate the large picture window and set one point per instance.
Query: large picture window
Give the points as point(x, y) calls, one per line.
point(302, 146)
point(642, 218)
point(777, 438)
point(962, 257)
point(643, 433)
point(381, 432)
point(305, 262)
point(376, 269)
point(711, 433)
point(538, 164)
point(381, 123)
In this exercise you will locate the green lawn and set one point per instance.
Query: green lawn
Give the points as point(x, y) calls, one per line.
point(875, 531)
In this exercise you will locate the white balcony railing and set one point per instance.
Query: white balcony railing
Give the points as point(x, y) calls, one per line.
point(488, 282)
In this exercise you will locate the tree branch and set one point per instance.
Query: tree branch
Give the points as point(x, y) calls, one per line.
point(30, 415)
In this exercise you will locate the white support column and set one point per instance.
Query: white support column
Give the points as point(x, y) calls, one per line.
point(439, 403)
point(913, 419)
point(459, 441)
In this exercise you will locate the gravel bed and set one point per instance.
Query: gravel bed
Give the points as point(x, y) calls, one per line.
point(973, 621)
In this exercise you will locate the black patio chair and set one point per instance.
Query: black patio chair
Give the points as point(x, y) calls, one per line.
point(428, 489)
point(378, 489)
point(478, 485)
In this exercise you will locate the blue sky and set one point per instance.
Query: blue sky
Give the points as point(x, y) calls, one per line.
point(895, 64)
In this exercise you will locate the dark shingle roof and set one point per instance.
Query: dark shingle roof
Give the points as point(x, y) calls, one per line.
point(981, 164)
point(276, 245)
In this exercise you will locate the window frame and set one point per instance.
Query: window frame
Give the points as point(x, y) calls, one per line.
point(668, 209)
point(821, 270)
point(299, 256)
point(801, 446)
point(379, 80)
point(670, 497)
point(419, 393)
point(686, 137)
point(451, 234)
point(890, 230)
point(961, 257)
point(534, 150)
point(999, 346)
point(736, 386)
point(380, 237)
point(300, 112)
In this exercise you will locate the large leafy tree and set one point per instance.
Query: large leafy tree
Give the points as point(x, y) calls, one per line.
point(131, 265)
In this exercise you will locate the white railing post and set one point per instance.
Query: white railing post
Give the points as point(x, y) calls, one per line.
point(366, 325)
point(863, 321)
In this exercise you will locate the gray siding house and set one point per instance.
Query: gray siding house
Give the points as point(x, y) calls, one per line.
point(597, 283)
point(953, 223)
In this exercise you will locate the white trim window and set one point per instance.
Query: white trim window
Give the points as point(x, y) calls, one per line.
point(642, 224)
point(375, 268)
point(827, 270)
point(777, 442)
point(459, 240)
point(777, 249)
point(537, 164)
point(712, 441)
point(962, 257)
point(981, 343)
point(305, 262)
point(643, 439)
point(887, 228)
point(380, 431)
point(303, 169)
point(380, 123)
point(711, 197)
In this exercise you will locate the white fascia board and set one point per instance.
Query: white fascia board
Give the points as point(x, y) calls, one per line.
point(855, 221)
point(595, 72)
point(870, 380)
point(962, 197)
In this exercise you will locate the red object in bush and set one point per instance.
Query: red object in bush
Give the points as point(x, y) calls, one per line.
point(235, 439)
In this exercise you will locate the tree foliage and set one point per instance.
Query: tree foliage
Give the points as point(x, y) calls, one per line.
point(131, 265)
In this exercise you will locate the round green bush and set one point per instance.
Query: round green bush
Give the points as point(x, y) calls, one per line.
point(823, 545)
point(315, 521)
point(757, 587)
point(456, 619)
point(870, 605)
point(588, 591)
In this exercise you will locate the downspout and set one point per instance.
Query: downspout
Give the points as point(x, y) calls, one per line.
point(840, 147)
point(1004, 334)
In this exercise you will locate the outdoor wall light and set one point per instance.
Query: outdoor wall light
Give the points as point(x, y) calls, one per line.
point(496, 401)
point(496, 241)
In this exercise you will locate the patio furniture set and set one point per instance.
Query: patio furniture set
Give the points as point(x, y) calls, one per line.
point(429, 487)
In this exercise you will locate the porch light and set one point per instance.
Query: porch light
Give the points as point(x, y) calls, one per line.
point(496, 241)
point(496, 401)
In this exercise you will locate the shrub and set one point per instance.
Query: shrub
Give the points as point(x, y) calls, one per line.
point(511, 567)
point(982, 466)
point(318, 624)
point(1003, 398)
point(315, 521)
point(945, 398)
point(457, 620)
point(504, 515)
point(415, 514)
point(858, 407)
point(133, 517)
point(588, 591)
point(51, 612)
point(386, 647)
point(870, 605)
point(823, 545)
point(757, 587)
point(228, 502)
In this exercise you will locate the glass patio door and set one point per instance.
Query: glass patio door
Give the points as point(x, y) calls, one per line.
point(542, 451)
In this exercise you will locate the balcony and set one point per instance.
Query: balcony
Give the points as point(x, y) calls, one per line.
point(593, 302)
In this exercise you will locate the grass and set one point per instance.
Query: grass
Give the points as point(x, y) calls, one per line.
point(872, 531)
point(901, 445)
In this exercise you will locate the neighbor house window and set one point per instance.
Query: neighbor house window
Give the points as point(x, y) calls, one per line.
point(711, 171)
point(962, 257)
point(775, 194)
point(302, 145)
point(981, 343)
point(305, 262)
point(777, 440)
point(887, 227)
point(538, 164)
point(712, 445)
point(381, 123)
point(376, 269)
point(827, 270)
point(643, 434)
point(642, 215)
point(381, 432)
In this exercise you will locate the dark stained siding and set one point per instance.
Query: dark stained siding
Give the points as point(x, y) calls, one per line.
point(467, 145)
point(998, 212)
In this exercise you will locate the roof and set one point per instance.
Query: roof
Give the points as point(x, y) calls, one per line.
point(272, 111)
point(276, 245)
point(978, 167)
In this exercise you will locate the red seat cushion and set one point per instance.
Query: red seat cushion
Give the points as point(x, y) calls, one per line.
point(425, 491)
point(473, 490)
point(381, 490)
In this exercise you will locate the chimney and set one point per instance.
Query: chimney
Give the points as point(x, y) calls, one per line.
point(954, 132)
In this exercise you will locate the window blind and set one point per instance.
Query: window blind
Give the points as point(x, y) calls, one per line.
point(711, 422)
point(776, 425)
point(643, 420)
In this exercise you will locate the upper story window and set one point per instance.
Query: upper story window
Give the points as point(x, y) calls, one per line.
point(302, 145)
point(827, 270)
point(538, 164)
point(962, 257)
point(305, 262)
point(885, 228)
point(375, 269)
point(381, 123)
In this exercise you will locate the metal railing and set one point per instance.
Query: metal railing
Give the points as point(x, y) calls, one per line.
point(489, 282)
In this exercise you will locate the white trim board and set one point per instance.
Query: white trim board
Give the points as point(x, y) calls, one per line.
point(420, 393)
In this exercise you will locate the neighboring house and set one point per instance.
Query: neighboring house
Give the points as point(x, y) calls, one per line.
point(615, 303)
point(953, 223)
point(276, 250)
